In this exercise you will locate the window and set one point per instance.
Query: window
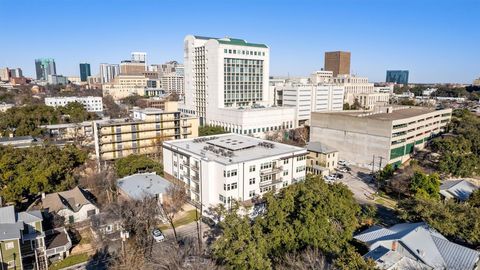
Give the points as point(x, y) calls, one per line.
point(300, 158)
point(286, 161)
point(252, 168)
point(266, 165)
point(230, 173)
point(266, 178)
point(285, 183)
point(285, 173)
point(251, 193)
point(251, 181)
point(9, 245)
point(300, 168)
point(266, 189)
point(230, 186)
point(109, 228)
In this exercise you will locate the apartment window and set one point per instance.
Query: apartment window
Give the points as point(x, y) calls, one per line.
point(230, 173)
point(221, 198)
point(251, 181)
point(251, 193)
point(252, 168)
point(300, 168)
point(285, 183)
point(285, 173)
point(300, 158)
point(266, 178)
point(286, 161)
point(9, 245)
point(266, 165)
point(266, 189)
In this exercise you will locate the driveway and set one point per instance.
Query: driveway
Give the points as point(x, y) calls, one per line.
point(358, 181)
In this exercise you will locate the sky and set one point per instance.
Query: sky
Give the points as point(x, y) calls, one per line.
point(436, 40)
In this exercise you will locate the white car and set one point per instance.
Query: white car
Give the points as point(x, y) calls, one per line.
point(342, 162)
point(343, 170)
point(329, 178)
point(158, 236)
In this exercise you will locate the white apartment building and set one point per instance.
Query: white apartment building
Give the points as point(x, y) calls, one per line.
point(92, 104)
point(222, 168)
point(308, 98)
point(228, 76)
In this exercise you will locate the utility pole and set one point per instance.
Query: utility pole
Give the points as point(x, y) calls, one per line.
point(373, 165)
point(381, 158)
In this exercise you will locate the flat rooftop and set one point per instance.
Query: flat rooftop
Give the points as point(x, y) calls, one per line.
point(139, 185)
point(232, 148)
point(397, 113)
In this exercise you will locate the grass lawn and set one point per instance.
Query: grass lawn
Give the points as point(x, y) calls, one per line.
point(69, 261)
point(185, 219)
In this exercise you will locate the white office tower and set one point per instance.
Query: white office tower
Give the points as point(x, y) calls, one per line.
point(139, 57)
point(108, 72)
point(308, 98)
point(227, 84)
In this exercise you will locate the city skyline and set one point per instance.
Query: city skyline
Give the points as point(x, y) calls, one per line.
point(381, 35)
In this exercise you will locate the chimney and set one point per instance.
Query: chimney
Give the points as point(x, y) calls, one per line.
point(394, 246)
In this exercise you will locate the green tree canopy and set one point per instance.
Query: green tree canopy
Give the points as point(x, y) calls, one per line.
point(427, 186)
point(137, 163)
point(210, 130)
point(28, 171)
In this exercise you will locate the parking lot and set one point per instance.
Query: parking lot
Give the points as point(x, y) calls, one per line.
point(358, 180)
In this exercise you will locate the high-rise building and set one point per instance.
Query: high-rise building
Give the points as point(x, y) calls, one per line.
point(84, 71)
point(108, 72)
point(45, 67)
point(139, 57)
point(338, 62)
point(227, 84)
point(397, 76)
point(16, 73)
point(4, 74)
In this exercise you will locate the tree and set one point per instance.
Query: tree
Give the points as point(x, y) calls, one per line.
point(112, 109)
point(26, 172)
point(309, 258)
point(383, 175)
point(351, 260)
point(346, 106)
point(210, 130)
point(474, 199)
point(173, 202)
point(242, 245)
point(427, 186)
point(136, 164)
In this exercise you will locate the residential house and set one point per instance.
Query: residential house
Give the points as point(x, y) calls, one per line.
point(459, 190)
point(75, 205)
point(321, 159)
point(415, 244)
point(23, 242)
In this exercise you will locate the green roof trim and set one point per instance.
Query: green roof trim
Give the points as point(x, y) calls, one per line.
point(240, 42)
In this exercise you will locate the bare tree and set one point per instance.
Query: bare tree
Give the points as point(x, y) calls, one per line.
point(100, 183)
point(311, 259)
point(171, 256)
point(132, 257)
point(173, 202)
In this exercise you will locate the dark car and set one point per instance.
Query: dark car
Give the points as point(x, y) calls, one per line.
point(339, 175)
point(210, 222)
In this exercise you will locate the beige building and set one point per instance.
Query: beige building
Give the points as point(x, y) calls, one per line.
point(125, 85)
point(321, 159)
point(374, 139)
point(338, 62)
point(173, 83)
point(370, 100)
point(476, 82)
point(144, 133)
point(132, 67)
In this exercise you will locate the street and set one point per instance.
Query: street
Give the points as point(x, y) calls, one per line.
point(358, 181)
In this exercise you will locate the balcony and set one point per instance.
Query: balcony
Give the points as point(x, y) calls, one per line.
point(274, 170)
point(271, 182)
point(194, 166)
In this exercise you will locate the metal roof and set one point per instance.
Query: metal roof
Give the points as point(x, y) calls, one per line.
point(319, 147)
point(458, 189)
point(423, 243)
point(137, 186)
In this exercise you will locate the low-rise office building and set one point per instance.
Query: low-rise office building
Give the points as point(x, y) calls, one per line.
point(321, 159)
point(92, 104)
point(143, 133)
point(222, 168)
point(369, 101)
point(374, 139)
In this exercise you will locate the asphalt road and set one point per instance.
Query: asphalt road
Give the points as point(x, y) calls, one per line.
point(358, 181)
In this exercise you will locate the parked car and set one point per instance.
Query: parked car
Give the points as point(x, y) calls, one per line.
point(343, 170)
point(210, 222)
point(329, 177)
point(342, 162)
point(158, 236)
point(339, 175)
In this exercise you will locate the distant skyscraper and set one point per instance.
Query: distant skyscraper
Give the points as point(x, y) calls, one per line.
point(45, 67)
point(397, 76)
point(338, 62)
point(139, 57)
point(16, 73)
point(108, 72)
point(84, 71)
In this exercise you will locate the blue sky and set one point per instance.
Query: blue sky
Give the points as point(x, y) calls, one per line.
point(438, 41)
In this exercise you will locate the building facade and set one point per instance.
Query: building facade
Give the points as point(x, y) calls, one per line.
point(108, 72)
point(91, 103)
point(227, 81)
point(144, 133)
point(307, 98)
point(227, 167)
point(374, 139)
point(337, 62)
point(45, 67)
point(125, 85)
point(16, 73)
point(84, 71)
point(4, 74)
point(321, 159)
point(173, 83)
point(397, 76)
point(130, 67)
point(369, 101)
point(57, 79)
